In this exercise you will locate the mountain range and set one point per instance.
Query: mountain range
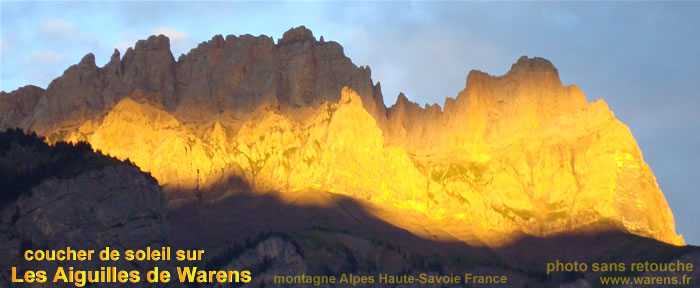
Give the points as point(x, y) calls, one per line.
point(291, 140)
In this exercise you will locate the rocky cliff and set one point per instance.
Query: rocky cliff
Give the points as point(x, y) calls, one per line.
point(57, 197)
point(510, 154)
point(219, 78)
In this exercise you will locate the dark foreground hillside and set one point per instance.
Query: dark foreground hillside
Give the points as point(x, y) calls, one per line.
point(274, 237)
point(67, 195)
point(26, 160)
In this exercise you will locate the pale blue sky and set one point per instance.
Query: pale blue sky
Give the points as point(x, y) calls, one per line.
point(643, 58)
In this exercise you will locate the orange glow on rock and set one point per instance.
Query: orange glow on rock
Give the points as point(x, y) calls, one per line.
point(540, 176)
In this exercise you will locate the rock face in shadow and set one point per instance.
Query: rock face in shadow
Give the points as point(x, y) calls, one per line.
point(233, 75)
point(105, 203)
point(274, 235)
point(513, 153)
point(237, 74)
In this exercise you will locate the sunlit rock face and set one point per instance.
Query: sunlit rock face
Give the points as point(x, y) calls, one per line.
point(534, 155)
point(510, 154)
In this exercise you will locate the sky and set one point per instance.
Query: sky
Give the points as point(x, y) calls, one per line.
point(642, 58)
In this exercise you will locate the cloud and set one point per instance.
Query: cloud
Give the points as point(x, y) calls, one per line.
point(57, 26)
point(180, 42)
point(424, 58)
point(46, 57)
point(42, 66)
point(57, 29)
point(173, 34)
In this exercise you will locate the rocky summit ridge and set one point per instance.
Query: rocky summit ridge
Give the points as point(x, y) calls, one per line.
point(517, 153)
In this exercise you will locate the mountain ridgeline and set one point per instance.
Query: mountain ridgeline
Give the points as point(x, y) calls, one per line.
point(517, 154)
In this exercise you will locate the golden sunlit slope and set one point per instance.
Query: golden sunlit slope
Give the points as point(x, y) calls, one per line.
point(579, 169)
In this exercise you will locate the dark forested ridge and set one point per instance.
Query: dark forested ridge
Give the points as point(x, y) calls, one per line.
point(26, 160)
